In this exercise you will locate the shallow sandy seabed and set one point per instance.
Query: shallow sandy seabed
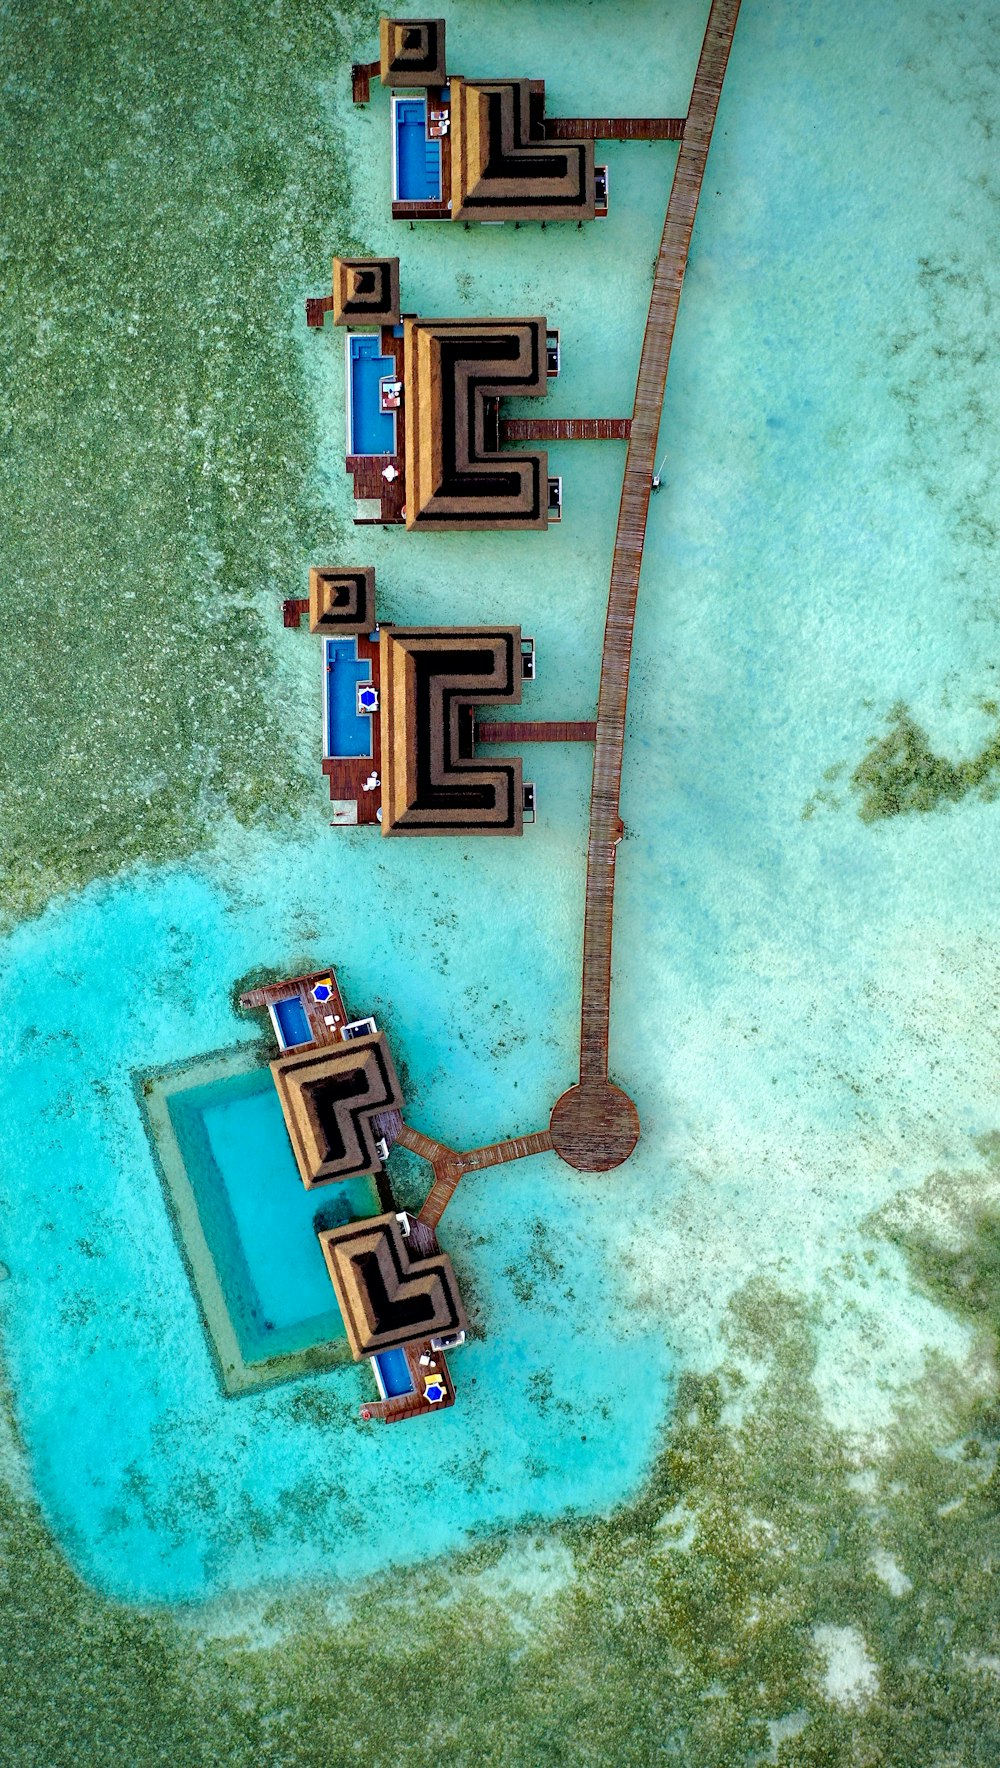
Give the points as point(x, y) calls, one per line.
point(778, 1321)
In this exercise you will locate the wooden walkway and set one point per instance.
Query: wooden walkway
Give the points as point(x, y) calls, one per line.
point(450, 1165)
point(565, 429)
point(538, 730)
point(595, 1126)
point(614, 128)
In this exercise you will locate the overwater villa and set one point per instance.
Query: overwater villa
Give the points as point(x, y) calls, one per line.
point(474, 150)
point(483, 149)
point(426, 444)
point(423, 402)
point(342, 1103)
point(403, 740)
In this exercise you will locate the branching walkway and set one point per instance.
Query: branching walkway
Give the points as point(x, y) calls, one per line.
point(450, 1165)
point(594, 1125)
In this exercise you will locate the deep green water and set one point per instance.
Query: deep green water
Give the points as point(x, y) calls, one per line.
point(776, 1325)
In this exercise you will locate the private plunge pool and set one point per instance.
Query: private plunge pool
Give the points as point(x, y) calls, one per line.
point(392, 1372)
point(416, 158)
point(246, 1224)
point(348, 731)
point(370, 430)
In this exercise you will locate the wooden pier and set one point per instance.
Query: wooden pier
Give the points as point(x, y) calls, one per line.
point(535, 730)
point(614, 128)
point(594, 1125)
point(565, 429)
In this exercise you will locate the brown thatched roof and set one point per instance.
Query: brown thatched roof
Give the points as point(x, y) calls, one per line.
point(502, 166)
point(329, 1095)
point(456, 475)
point(411, 51)
point(386, 1295)
point(342, 598)
point(432, 678)
point(366, 291)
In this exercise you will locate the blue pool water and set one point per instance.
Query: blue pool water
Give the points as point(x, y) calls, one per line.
point(395, 1373)
point(293, 1022)
point(258, 1218)
point(418, 161)
point(348, 731)
point(373, 431)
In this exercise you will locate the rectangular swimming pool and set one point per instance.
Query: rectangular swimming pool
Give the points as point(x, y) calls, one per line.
point(417, 160)
point(370, 430)
point(247, 1224)
point(348, 731)
point(392, 1373)
point(292, 1022)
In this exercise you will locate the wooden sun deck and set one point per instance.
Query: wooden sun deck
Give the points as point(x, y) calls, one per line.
point(414, 1405)
point(318, 1013)
point(439, 210)
point(594, 1126)
point(347, 774)
point(368, 470)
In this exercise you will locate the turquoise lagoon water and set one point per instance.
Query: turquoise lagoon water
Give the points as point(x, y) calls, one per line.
point(260, 1221)
point(116, 1390)
point(806, 1008)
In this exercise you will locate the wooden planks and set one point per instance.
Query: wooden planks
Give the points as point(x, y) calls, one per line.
point(361, 80)
point(565, 429)
point(538, 730)
point(450, 1166)
point(614, 128)
point(317, 1012)
point(640, 462)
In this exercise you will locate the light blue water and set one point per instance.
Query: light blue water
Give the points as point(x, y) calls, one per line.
point(118, 1411)
point(373, 431)
point(418, 160)
point(806, 1012)
point(348, 731)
